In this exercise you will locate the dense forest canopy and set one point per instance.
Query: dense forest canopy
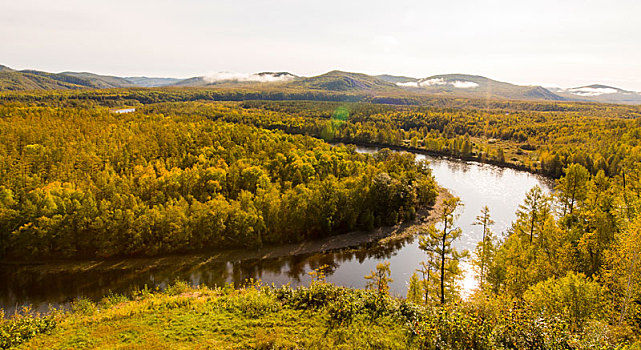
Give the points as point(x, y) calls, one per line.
point(538, 136)
point(86, 182)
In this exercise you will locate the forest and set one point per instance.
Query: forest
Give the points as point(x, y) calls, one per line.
point(187, 172)
point(543, 142)
point(88, 183)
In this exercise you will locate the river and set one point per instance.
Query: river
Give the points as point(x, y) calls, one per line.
point(501, 189)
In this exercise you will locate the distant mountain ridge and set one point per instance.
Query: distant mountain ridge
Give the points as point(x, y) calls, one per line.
point(474, 86)
point(97, 81)
point(152, 82)
point(600, 93)
point(454, 85)
point(30, 79)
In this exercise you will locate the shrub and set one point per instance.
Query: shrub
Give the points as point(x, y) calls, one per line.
point(112, 299)
point(574, 297)
point(318, 295)
point(23, 326)
point(178, 287)
point(83, 306)
point(251, 303)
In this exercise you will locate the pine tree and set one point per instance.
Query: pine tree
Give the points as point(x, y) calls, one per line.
point(414, 289)
point(485, 248)
point(533, 211)
point(380, 279)
point(437, 243)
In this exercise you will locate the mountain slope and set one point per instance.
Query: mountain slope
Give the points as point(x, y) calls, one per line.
point(479, 87)
point(97, 81)
point(14, 80)
point(343, 81)
point(600, 93)
point(5, 69)
point(396, 78)
point(38, 80)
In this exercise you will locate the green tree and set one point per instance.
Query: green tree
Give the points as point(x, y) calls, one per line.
point(533, 212)
point(414, 290)
point(574, 297)
point(573, 187)
point(379, 280)
point(437, 243)
point(427, 279)
point(624, 271)
point(485, 249)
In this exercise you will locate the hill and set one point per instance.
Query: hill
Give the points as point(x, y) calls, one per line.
point(384, 85)
point(37, 80)
point(478, 87)
point(194, 81)
point(95, 80)
point(32, 80)
point(344, 81)
point(11, 79)
point(600, 93)
point(396, 78)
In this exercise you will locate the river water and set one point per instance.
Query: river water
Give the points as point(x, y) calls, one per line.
point(501, 189)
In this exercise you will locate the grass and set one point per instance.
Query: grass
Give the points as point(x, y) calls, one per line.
point(203, 318)
point(321, 316)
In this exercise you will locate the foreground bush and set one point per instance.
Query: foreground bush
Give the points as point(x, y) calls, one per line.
point(24, 326)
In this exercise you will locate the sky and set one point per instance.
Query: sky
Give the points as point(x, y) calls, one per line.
point(565, 43)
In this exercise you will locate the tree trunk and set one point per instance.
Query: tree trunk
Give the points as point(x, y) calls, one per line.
point(443, 266)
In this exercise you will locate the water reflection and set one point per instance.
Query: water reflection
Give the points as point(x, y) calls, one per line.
point(502, 190)
point(41, 287)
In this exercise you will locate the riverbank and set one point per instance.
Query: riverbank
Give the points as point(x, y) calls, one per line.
point(447, 155)
point(380, 236)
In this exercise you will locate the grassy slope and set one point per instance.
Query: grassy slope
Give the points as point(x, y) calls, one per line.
point(204, 318)
point(321, 316)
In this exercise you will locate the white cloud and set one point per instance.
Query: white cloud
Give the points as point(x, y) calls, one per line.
point(459, 84)
point(589, 91)
point(432, 82)
point(262, 77)
point(408, 84)
point(464, 84)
